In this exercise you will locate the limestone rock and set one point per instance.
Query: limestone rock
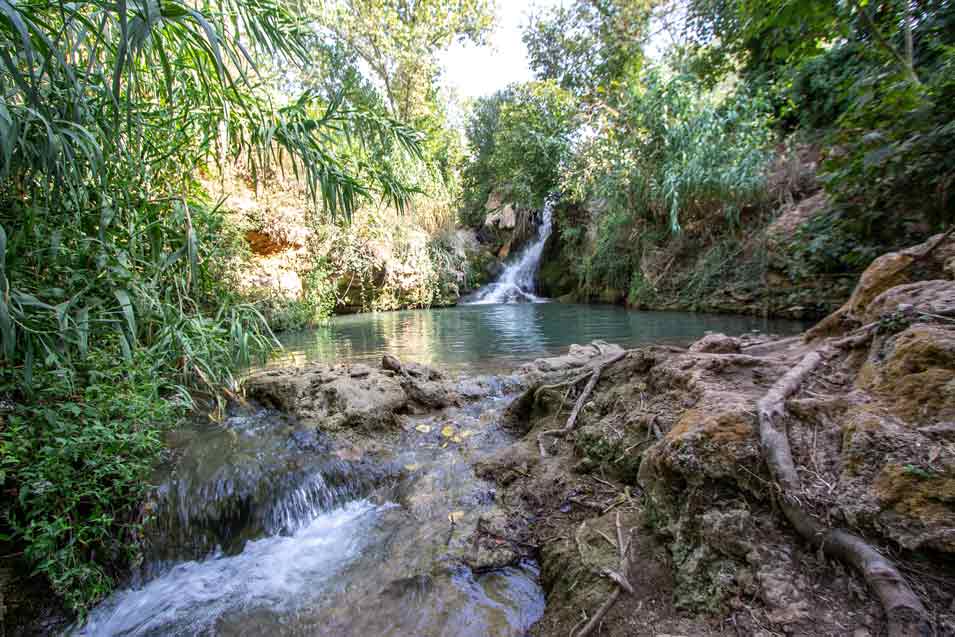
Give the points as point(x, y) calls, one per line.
point(931, 297)
point(716, 344)
point(488, 557)
point(499, 212)
point(359, 371)
point(391, 363)
point(792, 217)
point(914, 373)
point(334, 398)
point(886, 272)
point(577, 356)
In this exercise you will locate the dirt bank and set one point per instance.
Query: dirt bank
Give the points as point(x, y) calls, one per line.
point(670, 441)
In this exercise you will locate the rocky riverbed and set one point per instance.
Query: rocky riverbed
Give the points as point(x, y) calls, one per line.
point(605, 491)
point(667, 445)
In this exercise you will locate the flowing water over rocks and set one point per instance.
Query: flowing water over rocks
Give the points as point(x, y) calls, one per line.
point(343, 500)
point(301, 523)
point(517, 283)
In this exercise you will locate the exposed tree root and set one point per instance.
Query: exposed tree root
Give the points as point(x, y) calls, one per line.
point(581, 400)
point(567, 383)
point(904, 612)
point(622, 578)
point(858, 338)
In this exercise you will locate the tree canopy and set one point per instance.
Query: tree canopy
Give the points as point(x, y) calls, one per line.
point(399, 41)
point(590, 46)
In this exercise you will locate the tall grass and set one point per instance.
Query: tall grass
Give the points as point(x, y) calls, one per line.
point(675, 153)
point(672, 158)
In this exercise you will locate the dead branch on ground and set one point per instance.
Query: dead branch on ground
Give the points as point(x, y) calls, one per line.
point(581, 400)
point(621, 577)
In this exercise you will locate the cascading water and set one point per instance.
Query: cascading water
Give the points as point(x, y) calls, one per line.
point(267, 528)
point(517, 283)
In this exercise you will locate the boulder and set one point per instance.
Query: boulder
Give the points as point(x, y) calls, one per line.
point(390, 363)
point(913, 374)
point(926, 297)
point(924, 261)
point(331, 398)
point(352, 397)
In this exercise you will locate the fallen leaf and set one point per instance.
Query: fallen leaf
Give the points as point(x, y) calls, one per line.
point(411, 467)
point(425, 429)
point(447, 431)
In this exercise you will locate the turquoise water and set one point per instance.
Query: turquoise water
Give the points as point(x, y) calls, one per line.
point(265, 529)
point(486, 338)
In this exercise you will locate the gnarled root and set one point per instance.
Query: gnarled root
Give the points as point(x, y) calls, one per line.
point(904, 612)
point(581, 401)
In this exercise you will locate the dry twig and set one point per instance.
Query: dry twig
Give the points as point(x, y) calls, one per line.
point(581, 400)
point(620, 576)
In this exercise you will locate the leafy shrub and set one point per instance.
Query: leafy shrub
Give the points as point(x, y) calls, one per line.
point(815, 92)
point(519, 139)
point(830, 243)
point(116, 273)
point(76, 460)
point(893, 161)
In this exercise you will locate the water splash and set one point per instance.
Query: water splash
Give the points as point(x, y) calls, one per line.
point(517, 283)
point(280, 573)
point(244, 479)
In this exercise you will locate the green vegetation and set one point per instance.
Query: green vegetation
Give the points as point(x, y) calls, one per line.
point(164, 166)
point(77, 456)
point(520, 137)
point(677, 163)
point(121, 300)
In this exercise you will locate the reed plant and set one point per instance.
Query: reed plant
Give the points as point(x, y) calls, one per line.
point(117, 303)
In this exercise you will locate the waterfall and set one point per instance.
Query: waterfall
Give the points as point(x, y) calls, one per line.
point(517, 283)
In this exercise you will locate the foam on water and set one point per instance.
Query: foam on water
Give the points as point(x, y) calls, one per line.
point(275, 573)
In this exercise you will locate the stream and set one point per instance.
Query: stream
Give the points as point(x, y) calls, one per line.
point(262, 526)
point(265, 528)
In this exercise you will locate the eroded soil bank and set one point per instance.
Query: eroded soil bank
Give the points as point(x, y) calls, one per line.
point(667, 446)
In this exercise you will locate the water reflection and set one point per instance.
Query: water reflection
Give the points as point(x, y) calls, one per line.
point(491, 337)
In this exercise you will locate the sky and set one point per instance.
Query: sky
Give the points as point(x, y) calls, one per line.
point(472, 71)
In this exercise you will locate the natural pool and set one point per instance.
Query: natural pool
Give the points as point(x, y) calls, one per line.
point(485, 338)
